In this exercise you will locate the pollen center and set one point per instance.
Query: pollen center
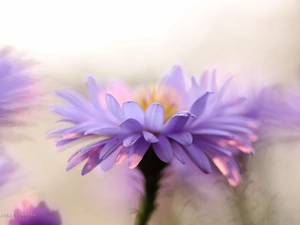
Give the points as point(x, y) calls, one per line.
point(168, 97)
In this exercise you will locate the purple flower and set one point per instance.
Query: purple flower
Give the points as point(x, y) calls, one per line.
point(277, 109)
point(15, 88)
point(175, 121)
point(39, 215)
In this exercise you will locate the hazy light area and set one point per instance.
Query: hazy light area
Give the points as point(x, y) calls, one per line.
point(139, 42)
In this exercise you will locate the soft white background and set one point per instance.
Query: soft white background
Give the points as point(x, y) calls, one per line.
point(139, 41)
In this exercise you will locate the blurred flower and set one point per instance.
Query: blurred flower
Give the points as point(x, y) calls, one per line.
point(176, 122)
point(15, 88)
point(39, 215)
point(277, 109)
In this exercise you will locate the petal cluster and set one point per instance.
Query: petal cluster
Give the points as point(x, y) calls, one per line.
point(277, 108)
point(15, 88)
point(39, 215)
point(206, 129)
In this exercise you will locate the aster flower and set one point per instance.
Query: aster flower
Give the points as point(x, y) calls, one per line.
point(154, 125)
point(39, 215)
point(15, 88)
point(174, 121)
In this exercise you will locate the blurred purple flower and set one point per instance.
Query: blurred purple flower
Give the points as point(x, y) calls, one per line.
point(15, 88)
point(277, 108)
point(39, 215)
point(196, 123)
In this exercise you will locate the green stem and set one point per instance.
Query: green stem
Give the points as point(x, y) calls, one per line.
point(151, 167)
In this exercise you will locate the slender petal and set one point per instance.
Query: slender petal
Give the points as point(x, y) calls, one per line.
point(163, 149)
point(199, 158)
point(137, 152)
point(154, 117)
point(133, 110)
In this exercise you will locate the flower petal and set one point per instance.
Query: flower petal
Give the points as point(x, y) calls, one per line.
point(213, 132)
point(199, 158)
point(154, 117)
point(105, 131)
point(137, 152)
point(74, 99)
point(132, 125)
point(91, 163)
point(111, 146)
point(149, 137)
point(229, 168)
point(94, 91)
point(199, 105)
point(109, 162)
point(114, 107)
point(175, 79)
point(177, 150)
point(123, 154)
point(133, 110)
point(184, 138)
point(76, 160)
point(177, 122)
point(163, 149)
point(224, 88)
point(130, 140)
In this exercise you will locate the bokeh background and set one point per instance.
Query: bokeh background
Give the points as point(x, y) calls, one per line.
point(139, 41)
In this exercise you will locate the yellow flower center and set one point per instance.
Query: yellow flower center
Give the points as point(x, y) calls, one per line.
point(166, 96)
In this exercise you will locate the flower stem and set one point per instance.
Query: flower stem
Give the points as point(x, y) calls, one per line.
point(151, 167)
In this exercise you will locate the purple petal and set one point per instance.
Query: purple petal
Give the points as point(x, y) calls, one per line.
point(130, 140)
point(132, 125)
point(74, 99)
point(176, 122)
point(214, 87)
point(137, 152)
point(199, 158)
point(213, 132)
point(87, 148)
point(203, 86)
point(212, 147)
point(149, 137)
point(91, 163)
point(133, 110)
point(178, 152)
point(154, 117)
point(175, 79)
point(123, 154)
point(109, 162)
point(229, 168)
point(184, 138)
point(111, 146)
point(63, 142)
point(231, 128)
point(224, 88)
point(94, 91)
point(114, 107)
point(199, 105)
point(73, 115)
point(75, 161)
point(163, 149)
point(105, 131)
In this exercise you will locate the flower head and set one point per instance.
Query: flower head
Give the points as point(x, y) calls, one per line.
point(39, 215)
point(176, 121)
point(15, 88)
